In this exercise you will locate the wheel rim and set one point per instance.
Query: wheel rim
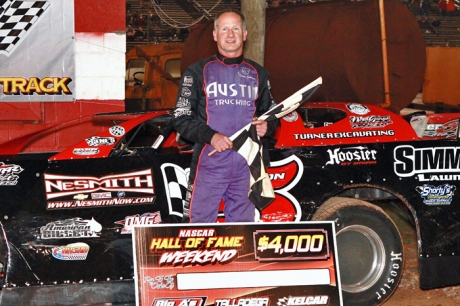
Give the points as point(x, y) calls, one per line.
point(361, 257)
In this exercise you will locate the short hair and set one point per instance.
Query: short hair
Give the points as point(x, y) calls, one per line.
point(230, 10)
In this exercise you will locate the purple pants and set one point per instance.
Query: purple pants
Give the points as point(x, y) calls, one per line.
point(224, 176)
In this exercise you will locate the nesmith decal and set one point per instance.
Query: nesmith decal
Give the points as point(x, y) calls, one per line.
point(65, 185)
point(430, 164)
point(48, 85)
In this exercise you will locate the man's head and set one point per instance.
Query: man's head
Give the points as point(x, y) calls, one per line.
point(230, 32)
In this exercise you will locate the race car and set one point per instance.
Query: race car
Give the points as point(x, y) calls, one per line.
point(67, 216)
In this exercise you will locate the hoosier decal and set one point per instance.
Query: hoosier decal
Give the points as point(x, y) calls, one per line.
point(359, 155)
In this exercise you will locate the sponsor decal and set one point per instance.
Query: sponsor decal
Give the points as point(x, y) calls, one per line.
point(160, 282)
point(448, 129)
point(396, 267)
point(358, 109)
point(145, 219)
point(73, 251)
point(57, 185)
point(291, 117)
point(183, 103)
point(215, 90)
point(71, 228)
point(101, 195)
point(340, 135)
point(436, 195)
point(85, 151)
point(185, 301)
point(352, 156)
point(369, 122)
point(303, 300)
point(245, 70)
point(80, 197)
point(117, 131)
point(188, 80)
point(259, 301)
point(9, 174)
point(47, 85)
point(100, 141)
point(233, 102)
point(186, 92)
point(53, 205)
point(182, 112)
point(429, 164)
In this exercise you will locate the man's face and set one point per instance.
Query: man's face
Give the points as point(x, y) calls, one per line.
point(230, 35)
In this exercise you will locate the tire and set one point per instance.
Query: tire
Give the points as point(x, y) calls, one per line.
point(369, 247)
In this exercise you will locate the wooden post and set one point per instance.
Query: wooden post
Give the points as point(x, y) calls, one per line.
point(254, 11)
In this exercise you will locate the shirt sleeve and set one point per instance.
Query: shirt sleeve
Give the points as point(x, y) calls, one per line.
point(266, 102)
point(189, 117)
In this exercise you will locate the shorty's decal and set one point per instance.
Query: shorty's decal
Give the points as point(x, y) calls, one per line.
point(436, 195)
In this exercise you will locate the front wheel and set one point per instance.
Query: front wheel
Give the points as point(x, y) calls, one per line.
point(369, 247)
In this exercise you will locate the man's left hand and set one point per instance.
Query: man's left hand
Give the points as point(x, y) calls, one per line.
point(261, 126)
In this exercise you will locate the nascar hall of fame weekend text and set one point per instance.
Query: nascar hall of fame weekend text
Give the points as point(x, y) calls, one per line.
point(236, 264)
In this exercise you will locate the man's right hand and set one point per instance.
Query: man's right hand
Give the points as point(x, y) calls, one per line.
point(220, 142)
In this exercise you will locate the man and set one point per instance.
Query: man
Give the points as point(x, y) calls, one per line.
point(218, 96)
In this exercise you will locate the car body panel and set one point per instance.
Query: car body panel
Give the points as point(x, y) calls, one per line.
point(64, 213)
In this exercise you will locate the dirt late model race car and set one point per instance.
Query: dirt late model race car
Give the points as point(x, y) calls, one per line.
point(67, 216)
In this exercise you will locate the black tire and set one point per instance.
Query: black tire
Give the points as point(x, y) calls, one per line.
point(370, 250)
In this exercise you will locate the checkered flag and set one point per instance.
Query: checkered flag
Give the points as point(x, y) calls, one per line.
point(248, 144)
point(175, 180)
point(16, 20)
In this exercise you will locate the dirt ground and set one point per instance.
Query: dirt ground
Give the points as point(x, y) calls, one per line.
point(409, 293)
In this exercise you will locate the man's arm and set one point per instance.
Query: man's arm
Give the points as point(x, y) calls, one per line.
point(264, 103)
point(187, 118)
